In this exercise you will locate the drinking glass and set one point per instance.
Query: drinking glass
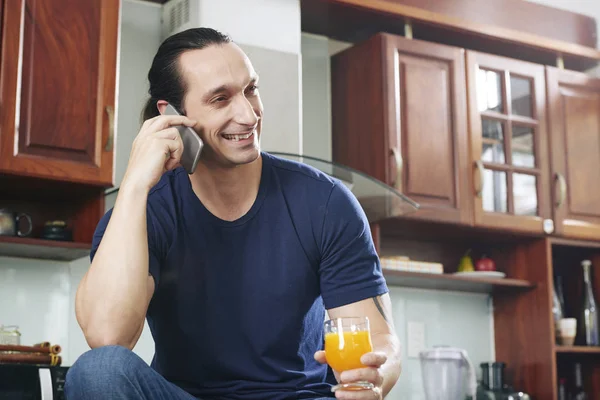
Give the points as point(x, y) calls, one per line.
point(346, 341)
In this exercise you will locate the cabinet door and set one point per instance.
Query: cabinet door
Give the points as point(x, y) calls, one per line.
point(574, 106)
point(427, 127)
point(58, 77)
point(399, 114)
point(508, 143)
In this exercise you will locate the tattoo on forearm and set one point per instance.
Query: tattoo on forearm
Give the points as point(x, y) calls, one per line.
point(380, 308)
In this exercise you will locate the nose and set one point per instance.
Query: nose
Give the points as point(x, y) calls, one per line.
point(244, 112)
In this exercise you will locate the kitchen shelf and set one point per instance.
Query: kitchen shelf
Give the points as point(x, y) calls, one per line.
point(455, 283)
point(564, 242)
point(12, 246)
point(577, 349)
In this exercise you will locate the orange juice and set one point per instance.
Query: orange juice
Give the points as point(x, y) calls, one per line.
point(343, 351)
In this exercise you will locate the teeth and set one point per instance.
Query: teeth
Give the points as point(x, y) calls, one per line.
point(237, 138)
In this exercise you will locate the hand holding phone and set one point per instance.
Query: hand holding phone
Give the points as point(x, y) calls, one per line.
point(192, 144)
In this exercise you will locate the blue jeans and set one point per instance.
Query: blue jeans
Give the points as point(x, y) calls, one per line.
point(114, 372)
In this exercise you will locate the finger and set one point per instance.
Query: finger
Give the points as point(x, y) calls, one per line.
point(172, 149)
point(172, 164)
point(169, 133)
point(166, 121)
point(178, 153)
point(149, 121)
point(373, 359)
point(320, 357)
point(373, 394)
point(362, 374)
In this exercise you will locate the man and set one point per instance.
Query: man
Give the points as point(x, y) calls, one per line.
point(234, 265)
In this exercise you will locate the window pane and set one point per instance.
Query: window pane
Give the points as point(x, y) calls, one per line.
point(522, 146)
point(492, 142)
point(494, 191)
point(520, 94)
point(525, 194)
point(489, 91)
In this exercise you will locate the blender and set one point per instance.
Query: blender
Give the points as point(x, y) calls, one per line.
point(447, 374)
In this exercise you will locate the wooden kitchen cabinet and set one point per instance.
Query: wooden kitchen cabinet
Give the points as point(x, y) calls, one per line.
point(574, 110)
point(509, 143)
point(399, 115)
point(57, 89)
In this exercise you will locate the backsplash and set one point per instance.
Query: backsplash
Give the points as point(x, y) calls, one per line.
point(450, 319)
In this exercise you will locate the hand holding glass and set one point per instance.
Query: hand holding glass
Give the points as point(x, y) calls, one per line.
point(346, 341)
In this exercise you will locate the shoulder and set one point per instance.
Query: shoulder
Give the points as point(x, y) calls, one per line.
point(320, 185)
point(295, 175)
point(168, 187)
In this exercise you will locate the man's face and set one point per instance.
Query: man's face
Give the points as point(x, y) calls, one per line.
point(222, 95)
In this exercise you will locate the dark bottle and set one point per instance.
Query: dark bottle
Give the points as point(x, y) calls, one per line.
point(587, 326)
point(578, 390)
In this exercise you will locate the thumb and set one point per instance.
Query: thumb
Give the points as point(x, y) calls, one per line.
point(320, 357)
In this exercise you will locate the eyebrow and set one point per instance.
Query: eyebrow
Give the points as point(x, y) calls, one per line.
point(225, 88)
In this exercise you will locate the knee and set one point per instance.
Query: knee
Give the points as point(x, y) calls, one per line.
point(102, 368)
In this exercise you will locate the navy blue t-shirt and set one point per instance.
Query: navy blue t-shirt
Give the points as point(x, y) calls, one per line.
point(239, 306)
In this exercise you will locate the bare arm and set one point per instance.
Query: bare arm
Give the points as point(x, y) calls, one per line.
point(379, 311)
point(113, 296)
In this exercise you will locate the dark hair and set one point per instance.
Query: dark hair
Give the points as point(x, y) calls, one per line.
point(166, 82)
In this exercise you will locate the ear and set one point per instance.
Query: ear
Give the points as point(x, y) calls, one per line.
point(161, 105)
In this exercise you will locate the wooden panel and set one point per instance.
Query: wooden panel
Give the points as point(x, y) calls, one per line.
point(493, 27)
point(358, 109)
point(514, 15)
point(582, 131)
point(62, 127)
point(523, 324)
point(376, 234)
point(427, 127)
point(535, 73)
point(425, 88)
point(578, 349)
point(574, 107)
point(55, 122)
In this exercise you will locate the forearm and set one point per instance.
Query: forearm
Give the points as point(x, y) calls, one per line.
point(113, 297)
point(390, 345)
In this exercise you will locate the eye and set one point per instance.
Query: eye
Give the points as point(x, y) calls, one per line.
point(219, 99)
point(252, 89)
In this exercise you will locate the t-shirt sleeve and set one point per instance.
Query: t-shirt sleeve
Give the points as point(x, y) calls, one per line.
point(349, 270)
point(153, 254)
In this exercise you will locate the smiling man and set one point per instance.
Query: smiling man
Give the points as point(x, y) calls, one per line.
point(236, 265)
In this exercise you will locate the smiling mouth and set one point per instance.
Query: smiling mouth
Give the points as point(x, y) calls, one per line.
point(238, 137)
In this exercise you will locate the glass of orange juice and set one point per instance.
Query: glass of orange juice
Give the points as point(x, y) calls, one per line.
point(346, 340)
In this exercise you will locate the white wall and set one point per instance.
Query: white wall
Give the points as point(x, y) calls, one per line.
point(269, 32)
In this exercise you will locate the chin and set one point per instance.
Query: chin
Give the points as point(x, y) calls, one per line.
point(243, 157)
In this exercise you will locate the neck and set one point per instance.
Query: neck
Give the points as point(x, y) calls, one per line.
point(227, 192)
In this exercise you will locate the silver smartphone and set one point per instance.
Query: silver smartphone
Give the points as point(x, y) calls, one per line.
point(192, 144)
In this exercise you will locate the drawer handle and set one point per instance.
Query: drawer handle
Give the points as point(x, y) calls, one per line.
point(111, 128)
point(481, 181)
point(562, 190)
point(398, 160)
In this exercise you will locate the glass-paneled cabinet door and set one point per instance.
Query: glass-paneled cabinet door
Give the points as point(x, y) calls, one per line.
point(508, 143)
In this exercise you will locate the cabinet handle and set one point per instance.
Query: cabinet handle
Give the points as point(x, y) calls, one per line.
point(562, 189)
point(398, 160)
point(111, 128)
point(479, 169)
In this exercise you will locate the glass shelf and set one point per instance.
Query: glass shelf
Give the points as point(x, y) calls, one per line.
point(378, 200)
